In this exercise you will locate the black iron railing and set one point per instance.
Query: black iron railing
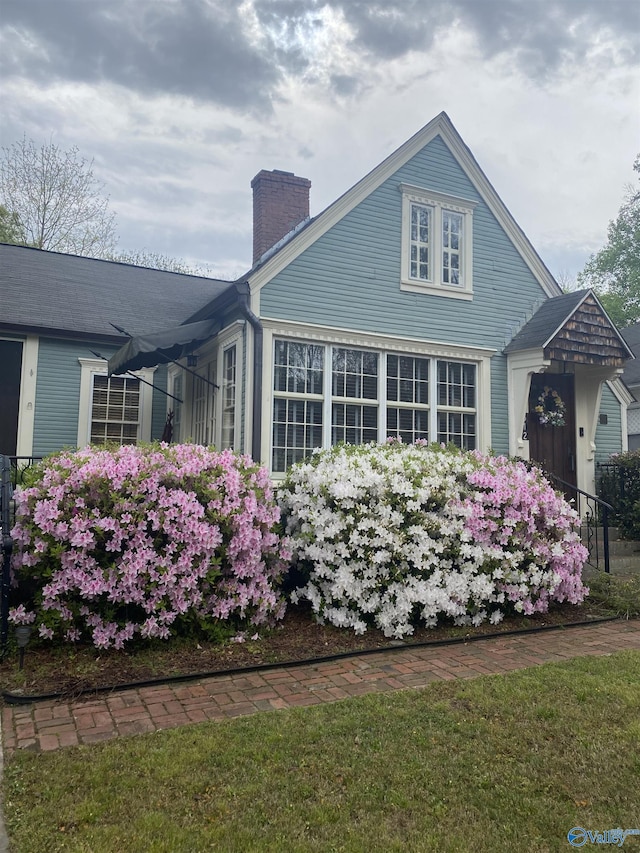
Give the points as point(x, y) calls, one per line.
point(19, 464)
point(595, 515)
point(619, 485)
point(12, 469)
point(6, 543)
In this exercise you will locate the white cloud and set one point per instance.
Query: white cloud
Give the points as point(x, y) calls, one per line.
point(547, 102)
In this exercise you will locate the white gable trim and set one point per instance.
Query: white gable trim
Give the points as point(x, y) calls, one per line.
point(620, 391)
point(439, 126)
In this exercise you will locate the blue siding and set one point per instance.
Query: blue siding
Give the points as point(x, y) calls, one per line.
point(58, 393)
point(609, 435)
point(350, 277)
point(499, 408)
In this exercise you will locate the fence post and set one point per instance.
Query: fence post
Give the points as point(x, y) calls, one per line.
point(605, 538)
point(6, 542)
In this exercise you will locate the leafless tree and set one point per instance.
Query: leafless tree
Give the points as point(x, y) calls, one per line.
point(56, 199)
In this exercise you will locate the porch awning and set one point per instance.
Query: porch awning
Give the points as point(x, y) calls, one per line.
point(161, 347)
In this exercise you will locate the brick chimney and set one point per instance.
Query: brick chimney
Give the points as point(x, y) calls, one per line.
point(280, 202)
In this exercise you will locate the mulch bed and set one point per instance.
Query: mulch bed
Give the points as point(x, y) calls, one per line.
point(73, 669)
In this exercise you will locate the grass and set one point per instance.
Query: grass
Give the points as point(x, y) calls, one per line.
point(498, 763)
point(619, 595)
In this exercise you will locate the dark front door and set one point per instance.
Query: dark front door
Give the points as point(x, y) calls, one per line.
point(550, 444)
point(10, 369)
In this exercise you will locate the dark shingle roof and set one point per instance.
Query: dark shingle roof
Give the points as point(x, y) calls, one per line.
point(550, 317)
point(631, 335)
point(63, 293)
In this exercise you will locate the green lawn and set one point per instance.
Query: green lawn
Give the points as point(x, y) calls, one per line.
point(499, 763)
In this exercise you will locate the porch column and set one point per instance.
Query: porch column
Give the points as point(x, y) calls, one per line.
point(589, 381)
point(521, 366)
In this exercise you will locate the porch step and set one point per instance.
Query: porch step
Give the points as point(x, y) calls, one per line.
point(618, 566)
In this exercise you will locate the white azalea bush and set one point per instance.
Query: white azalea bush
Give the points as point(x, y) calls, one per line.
point(396, 535)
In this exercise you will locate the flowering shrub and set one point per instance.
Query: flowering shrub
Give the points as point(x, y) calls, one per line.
point(390, 534)
point(139, 539)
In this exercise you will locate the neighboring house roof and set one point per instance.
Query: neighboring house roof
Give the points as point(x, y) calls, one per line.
point(546, 326)
point(65, 294)
point(631, 373)
point(296, 242)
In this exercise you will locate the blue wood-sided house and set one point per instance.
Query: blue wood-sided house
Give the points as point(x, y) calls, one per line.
point(413, 306)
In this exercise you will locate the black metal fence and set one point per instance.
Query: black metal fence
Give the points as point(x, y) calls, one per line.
point(12, 475)
point(19, 465)
point(619, 485)
point(6, 542)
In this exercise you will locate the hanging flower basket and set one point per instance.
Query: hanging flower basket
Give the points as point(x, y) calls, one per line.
point(551, 408)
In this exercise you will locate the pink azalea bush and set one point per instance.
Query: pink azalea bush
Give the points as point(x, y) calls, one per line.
point(112, 544)
point(395, 534)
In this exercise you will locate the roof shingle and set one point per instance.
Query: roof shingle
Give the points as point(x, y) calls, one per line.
point(51, 291)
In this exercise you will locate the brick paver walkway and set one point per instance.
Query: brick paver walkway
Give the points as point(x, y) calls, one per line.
point(49, 725)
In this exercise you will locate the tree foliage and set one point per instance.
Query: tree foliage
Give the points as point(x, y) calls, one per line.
point(614, 271)
point(9, 226)
point(54, 199)
point(157, 261)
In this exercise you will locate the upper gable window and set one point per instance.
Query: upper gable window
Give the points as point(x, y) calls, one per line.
point(437, 240)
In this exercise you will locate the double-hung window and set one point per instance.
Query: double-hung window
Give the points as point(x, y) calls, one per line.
point(437, 243)
point(113, 408)
point(408, 404)
point(298, 402)
point(229, 386)
point(456, 412)
point(327, 394)
point(354, 396)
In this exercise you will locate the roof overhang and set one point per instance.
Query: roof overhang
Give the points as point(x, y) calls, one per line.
point(573, 327)
point(162, 347)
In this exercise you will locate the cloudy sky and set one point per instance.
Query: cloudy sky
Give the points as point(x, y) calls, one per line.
point(181, 102)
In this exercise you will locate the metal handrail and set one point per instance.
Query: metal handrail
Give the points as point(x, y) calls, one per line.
point(605, 508)
point(16, 468)
point(6, 543)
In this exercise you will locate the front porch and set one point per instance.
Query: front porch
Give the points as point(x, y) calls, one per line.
point(558, 365)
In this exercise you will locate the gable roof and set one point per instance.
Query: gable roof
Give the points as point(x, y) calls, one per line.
point(549, 327)
point(81, 297)
point(440, 126)
point(547, 320)
point(631, 335)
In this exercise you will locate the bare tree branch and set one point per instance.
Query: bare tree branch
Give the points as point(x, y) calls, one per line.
point(56, 199)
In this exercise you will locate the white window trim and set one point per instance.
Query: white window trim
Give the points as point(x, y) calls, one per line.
point(27, 404)
point(386, 344)
point(91, 367)
point(227, 339)
point(438, 202)
point(173, 373)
